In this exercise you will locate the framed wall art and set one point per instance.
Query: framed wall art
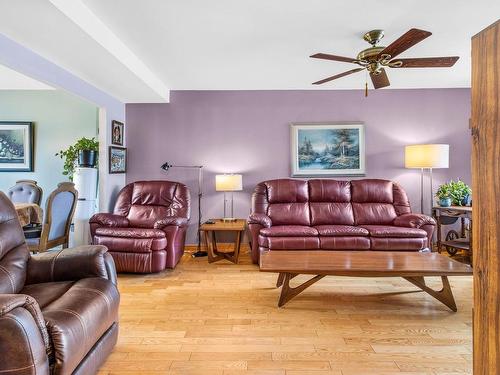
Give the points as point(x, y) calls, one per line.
point(117, 133)
point(327, 149)
point(16, 146)
point(117, 159)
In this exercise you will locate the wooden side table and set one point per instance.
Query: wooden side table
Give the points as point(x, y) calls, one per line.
point(209, 231)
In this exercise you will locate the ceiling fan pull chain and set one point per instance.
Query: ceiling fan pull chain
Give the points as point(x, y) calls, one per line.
point(366, 83)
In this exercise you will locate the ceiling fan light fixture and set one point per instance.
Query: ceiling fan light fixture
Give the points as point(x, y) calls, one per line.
point(374, 36)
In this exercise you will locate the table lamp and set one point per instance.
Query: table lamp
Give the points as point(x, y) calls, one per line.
point(228, 183)
point(427, 157)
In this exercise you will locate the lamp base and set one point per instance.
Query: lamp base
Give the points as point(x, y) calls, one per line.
point(228, 219)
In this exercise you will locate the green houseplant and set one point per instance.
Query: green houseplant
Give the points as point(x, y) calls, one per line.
point(82, 153)
point(453, 192)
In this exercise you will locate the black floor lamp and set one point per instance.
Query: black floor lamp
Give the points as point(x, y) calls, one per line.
point(166, 166)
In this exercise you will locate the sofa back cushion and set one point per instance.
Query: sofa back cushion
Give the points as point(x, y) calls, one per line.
point(288, 202)
point(14, 253)
point(373, 201)
point(330, 202)
point(145, 202)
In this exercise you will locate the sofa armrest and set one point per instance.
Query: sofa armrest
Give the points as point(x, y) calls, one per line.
point(23, 336)
point(71, 265)
point(109, 220)
point(413, 220)
point(261, 219)
point(171, 220)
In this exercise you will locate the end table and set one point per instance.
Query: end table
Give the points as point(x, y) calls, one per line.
point(238, 227)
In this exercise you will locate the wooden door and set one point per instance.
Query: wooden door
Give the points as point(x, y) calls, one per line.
point(485, 126)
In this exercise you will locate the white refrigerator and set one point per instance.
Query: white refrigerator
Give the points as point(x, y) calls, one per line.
point(85, 180)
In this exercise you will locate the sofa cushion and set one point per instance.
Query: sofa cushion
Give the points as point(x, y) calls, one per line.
point(289, 213)
point(289, 231)
point(130, 232)
point(345, 243)
point(77, 319)
point(322, 190)
point(46, 293)
point(373, 213)
point(372, 191)
point(340, 230)
point(398, 244)
point(289, 243)
point(385, 231)
point(130, 244)
point(287, 191)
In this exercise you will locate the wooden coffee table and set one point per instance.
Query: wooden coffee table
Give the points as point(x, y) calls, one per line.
point(412, 266)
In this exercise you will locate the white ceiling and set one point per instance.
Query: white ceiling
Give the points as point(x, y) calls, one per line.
point(247, 44)
point(12, 80)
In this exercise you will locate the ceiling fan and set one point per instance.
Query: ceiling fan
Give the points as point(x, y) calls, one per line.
point(376, 58)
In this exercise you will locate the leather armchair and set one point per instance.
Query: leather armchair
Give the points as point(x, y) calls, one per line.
point(147, 230)
point(58, 310)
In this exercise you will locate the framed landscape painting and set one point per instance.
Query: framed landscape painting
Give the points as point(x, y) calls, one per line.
point(16, 146)
point(328, 149)
point(117, 159)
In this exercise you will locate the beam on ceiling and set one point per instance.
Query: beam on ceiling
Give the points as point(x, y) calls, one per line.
point(81, 15)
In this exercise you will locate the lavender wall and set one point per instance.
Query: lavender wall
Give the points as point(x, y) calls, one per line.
point(248, 132)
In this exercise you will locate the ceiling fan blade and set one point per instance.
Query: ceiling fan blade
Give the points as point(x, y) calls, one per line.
point(338, 76)
point(326, 56)
point(405, 41)
point(426, 62)
point(380, 80)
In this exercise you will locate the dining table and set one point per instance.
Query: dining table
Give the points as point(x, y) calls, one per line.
point(29, 213)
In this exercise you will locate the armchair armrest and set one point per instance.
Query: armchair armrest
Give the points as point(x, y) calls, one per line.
point(23, 336)
point(109, 220)
point(171, 220)
point(71, 265)
point(261, 219)
point(413, 220)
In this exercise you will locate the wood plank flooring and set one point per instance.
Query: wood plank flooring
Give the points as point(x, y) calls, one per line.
point(223, 319)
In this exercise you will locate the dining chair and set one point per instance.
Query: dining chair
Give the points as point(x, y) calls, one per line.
point(25, 191)
point(59, 211)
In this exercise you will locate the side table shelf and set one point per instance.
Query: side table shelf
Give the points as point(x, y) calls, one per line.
point(454, 240)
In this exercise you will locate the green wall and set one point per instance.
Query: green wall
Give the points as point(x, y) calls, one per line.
point(59, 120)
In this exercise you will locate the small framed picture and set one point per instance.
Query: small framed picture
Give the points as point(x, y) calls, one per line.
point(117, 159)
point(117, 133)
point(16, 146)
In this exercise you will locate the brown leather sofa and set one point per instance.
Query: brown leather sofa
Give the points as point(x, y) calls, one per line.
point(323, 214)
point(147, 230)
point(58, 310)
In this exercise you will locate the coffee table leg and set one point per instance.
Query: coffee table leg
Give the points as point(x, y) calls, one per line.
point(444, 295)
point(287, 292)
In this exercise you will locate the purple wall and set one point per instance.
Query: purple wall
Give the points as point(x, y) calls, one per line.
point(248, 132)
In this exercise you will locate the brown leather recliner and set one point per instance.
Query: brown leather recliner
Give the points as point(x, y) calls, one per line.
point(147, 230)
point(58, 310)
point(324, 214)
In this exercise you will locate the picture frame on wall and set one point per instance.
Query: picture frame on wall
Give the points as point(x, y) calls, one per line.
point(327, 149)
point(117, 160)
point(117, 133)
point(16, 146)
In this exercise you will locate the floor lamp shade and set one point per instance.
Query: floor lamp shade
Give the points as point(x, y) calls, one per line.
point(427, 156)
point(228, 183)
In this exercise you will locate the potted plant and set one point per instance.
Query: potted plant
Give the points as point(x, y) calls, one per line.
point(455, 193)
point(82, 153)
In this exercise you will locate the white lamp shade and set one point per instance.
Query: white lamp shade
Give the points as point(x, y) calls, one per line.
point(228, 182)
point(427, 156)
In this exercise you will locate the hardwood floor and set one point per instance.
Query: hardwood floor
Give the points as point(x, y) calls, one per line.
point(222, 319)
